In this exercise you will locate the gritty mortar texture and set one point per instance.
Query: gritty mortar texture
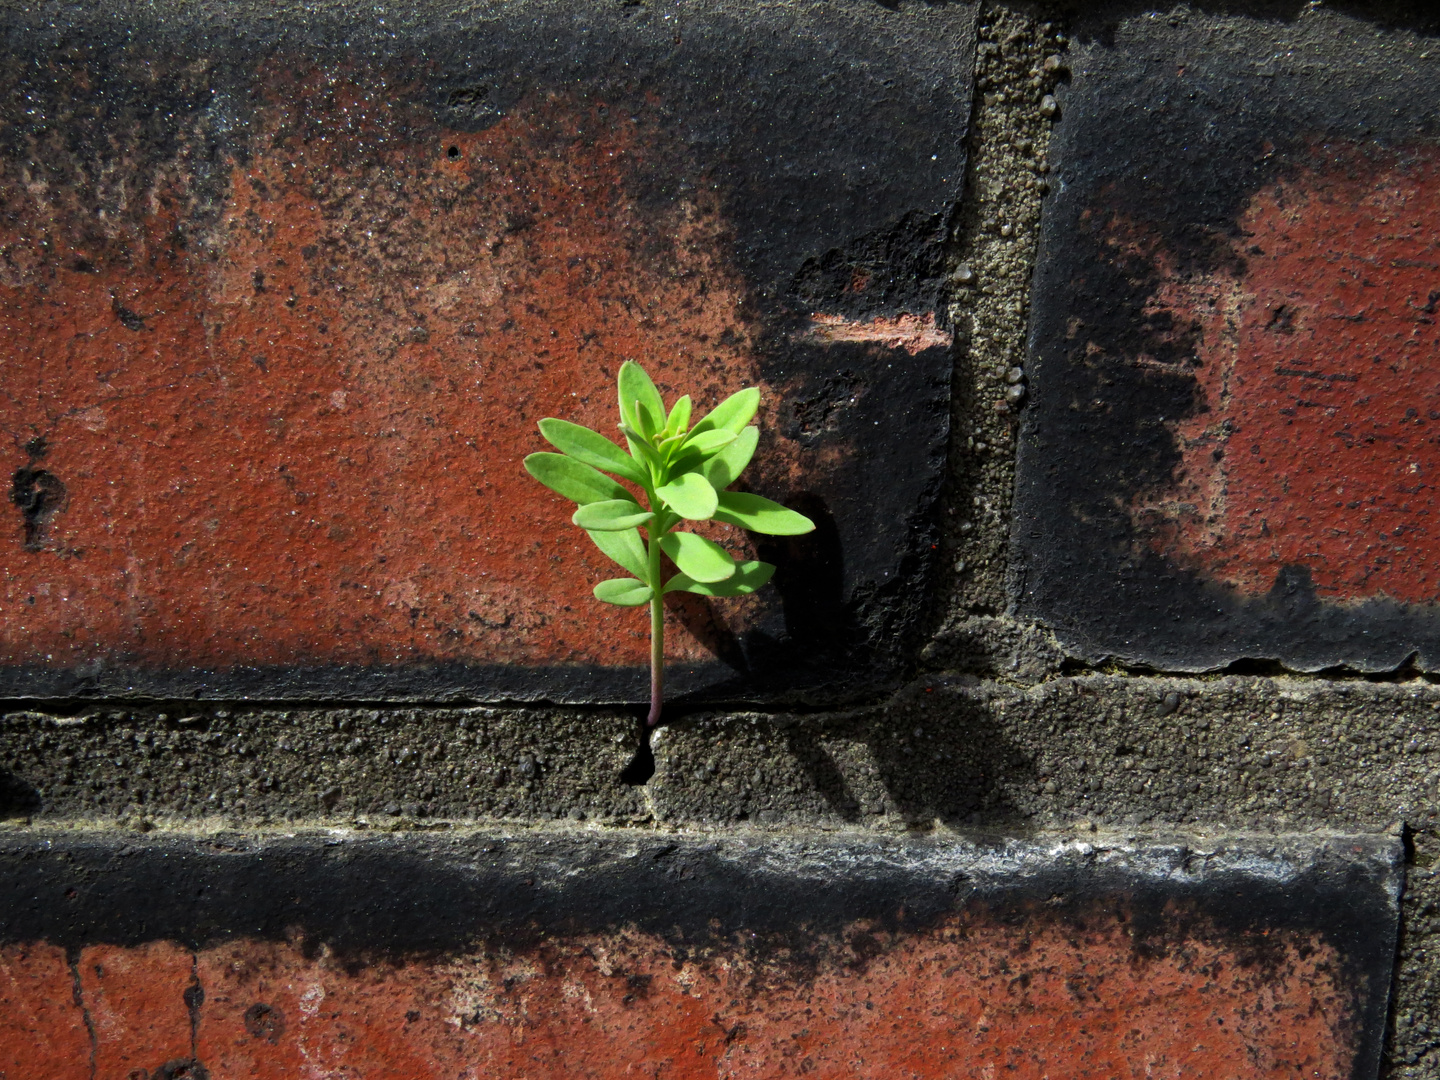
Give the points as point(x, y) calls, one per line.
point(951, 749)
point(1019, 61)
point(997, 647)
point(1101, 750)
point(255, 766)
point(1414, 1051)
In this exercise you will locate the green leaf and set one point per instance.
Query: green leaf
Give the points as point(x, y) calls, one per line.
point(644, 453)
point(748, 577)
point(733, 413)
point(760, 515)
point(573, 479)
point(611, 515)
point(650, 424)
point(700, 559)
point(679, 417)
point(725, 468)
point(708, 442)
point(624, 591)
point(626, 548)
point(592, 448)
point(668, 444)
point(636, 387)
point(690, 496)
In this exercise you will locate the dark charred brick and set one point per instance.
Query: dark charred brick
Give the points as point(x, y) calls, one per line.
point(1230, 448)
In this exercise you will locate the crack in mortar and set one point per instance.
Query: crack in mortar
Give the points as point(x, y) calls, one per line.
point(194, 997)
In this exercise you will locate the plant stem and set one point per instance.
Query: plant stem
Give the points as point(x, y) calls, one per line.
point(657, 660)
point(657, 630)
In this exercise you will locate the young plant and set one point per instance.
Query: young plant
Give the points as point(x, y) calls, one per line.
point(682, 471)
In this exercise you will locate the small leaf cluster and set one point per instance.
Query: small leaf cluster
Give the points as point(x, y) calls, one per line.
point(683, 471)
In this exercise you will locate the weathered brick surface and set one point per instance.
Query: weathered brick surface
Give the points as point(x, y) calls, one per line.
point(41, 1028)
point(931, 1004)
point(279, 316)
point(919, 958)
point(1228, 241)
point(1232, 442)
point(139, 1004)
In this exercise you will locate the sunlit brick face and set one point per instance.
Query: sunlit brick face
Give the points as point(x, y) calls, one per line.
point(283, 423)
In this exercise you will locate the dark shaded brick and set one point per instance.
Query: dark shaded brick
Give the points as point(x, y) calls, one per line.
point(1231, 444)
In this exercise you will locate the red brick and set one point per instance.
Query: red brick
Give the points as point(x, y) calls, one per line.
point(135, 1003)
point(576, 953)
point(971, 997)
point(1229, 445)
point(270, 370)
point(42, 1026)
point(308, 447)
point(1318, 440)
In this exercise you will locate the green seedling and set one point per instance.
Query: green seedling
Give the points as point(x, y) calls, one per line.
point(682, 470)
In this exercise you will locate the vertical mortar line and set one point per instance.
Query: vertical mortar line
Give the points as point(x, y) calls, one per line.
point(77, 991)
point(991, 260)
point(1411, 1037)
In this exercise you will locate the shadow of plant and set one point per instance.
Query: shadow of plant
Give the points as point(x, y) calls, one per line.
point(933, 755)
point(18, 798)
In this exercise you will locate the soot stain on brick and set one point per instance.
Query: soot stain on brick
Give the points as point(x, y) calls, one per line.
point(583, 884)
point(39, 495)
point(181, 1069)
point(264, 1021)
point(897, 270)
point(702, 901)
point(892, 407)
point(1149, 220)
point(209, 149)
point(1311, 450)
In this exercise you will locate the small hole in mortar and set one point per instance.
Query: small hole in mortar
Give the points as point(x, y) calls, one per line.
point(642, 765)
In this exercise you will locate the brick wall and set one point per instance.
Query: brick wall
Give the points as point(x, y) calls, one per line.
point(1094, 730)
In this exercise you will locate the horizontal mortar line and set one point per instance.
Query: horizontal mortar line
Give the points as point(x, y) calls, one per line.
point(1102, 838)
point(70, 707)
point(73, 708)
point(1338, 674)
